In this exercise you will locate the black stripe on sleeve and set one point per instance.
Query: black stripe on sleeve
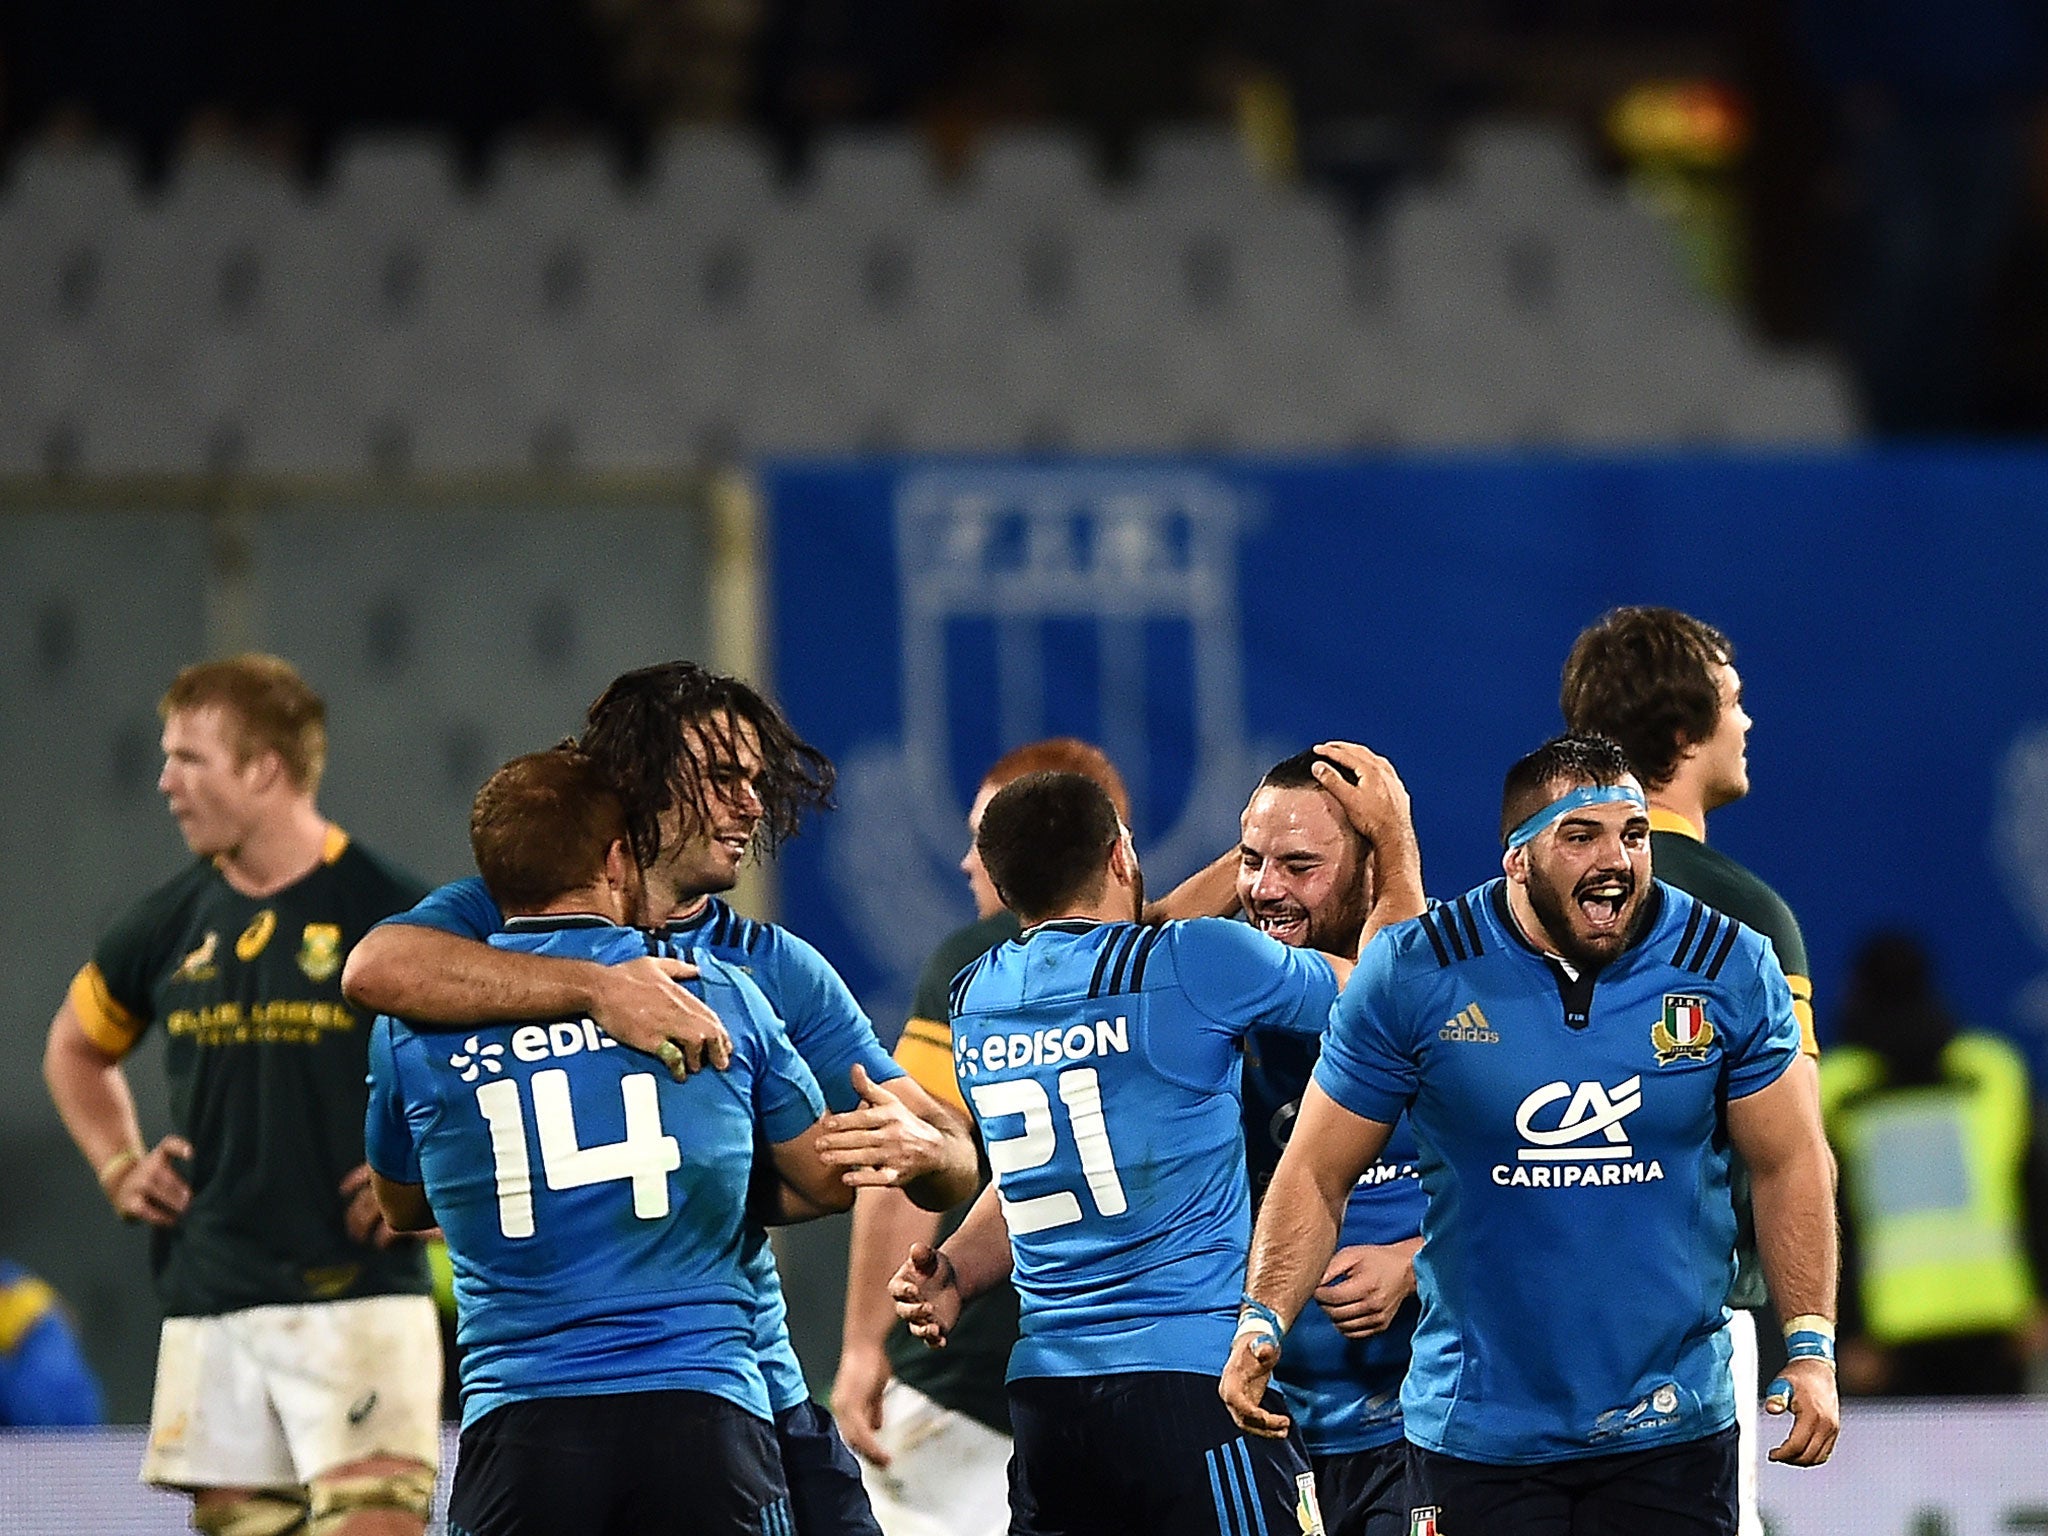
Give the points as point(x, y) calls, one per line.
point(1449, 919)
point(1471, 926)
point(1123, 958)
point(1443, 956)
point(1145, 948)
point(1692, 926)
point(958, 992)
point(1101, 966)
point(1721, 954)
point(1697, 960)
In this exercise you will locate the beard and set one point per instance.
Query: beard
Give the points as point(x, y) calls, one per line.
point(1565, 921)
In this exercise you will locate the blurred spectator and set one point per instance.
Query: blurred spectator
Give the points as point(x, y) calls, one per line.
point(1941, 1190)
point(1933, 102)
point(44, 1379)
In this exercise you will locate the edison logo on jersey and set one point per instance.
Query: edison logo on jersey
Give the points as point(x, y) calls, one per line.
point(1588, 1138)
point(1043, 1048)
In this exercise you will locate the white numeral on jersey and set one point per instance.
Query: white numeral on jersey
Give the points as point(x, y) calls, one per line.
point(1081, 1092)
point(502, 1113)
point(645, 1158)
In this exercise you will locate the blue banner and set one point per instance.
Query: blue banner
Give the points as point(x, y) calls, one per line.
point(1201, 619)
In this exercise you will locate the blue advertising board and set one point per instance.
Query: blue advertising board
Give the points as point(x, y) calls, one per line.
point(1203, 618)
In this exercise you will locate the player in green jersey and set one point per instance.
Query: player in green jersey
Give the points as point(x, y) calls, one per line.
point(1663, 686)
point(298, 1380)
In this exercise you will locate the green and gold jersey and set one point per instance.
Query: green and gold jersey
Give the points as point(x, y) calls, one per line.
point(966, 1376)
point(267, 1067)
point(1682, 858)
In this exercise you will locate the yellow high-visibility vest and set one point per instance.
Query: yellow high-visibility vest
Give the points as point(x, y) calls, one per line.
point(1932, 1178)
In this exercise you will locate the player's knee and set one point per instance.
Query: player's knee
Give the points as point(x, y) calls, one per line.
point(254, 1514)
point(338, 1499)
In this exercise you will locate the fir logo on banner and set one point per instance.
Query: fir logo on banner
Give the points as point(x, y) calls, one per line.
point(1422, 1522)
point(1683, 1033)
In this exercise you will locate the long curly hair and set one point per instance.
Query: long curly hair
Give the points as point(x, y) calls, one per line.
point(666, 735)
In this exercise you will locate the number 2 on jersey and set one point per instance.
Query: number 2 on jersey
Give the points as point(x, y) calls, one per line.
point(644, 1159)
point(1081, 1092)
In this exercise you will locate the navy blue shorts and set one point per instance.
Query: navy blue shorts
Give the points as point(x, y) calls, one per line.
point(1148, 1451)
point(825, 1489)
point(632, 1464)
point(1364, 1493)
point(1686, 1489)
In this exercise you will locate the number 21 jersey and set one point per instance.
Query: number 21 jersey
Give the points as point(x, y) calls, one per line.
point(1103, 1065)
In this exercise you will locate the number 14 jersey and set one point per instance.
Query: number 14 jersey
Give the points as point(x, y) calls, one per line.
point(595, 1209)
point(1103, 1064)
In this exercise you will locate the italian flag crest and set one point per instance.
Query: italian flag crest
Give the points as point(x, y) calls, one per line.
point(1683, 1033)
point(1422, 1522)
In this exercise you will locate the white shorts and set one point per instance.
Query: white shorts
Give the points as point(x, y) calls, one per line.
point(1742, 1365)
point(272, 1397)
point(948, 1475)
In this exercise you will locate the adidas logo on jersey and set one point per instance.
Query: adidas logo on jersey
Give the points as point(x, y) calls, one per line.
point(1470, 1027)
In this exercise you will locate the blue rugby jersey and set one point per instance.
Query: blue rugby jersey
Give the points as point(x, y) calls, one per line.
point(1344, 1394)
point(1579, 1240)
point(1102, 1063)
point(828, 1028)
point(595, 1209)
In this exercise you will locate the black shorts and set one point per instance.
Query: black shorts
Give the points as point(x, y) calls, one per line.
point(632, 1464)
point(1686, 1489)
point(1148, 1451)
point(825, 1490)
point(1364, 1493)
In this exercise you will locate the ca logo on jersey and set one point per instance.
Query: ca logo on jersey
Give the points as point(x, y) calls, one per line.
point(1683, 1033)
point(320, 950)
point(1585, 1143)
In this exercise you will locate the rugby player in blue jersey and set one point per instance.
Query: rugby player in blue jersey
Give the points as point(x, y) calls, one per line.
point(1102, 1060)
point(594, 1207)
point(1570, 1369)
point(1298, 861)
point(707, 770)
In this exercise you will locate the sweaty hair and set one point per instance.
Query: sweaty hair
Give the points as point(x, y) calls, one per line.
point(269, 708)
point(1062, 754)
point(1044, 839)
point(665, 735)
point(1298, 772)
point(1644, 678)
point(1560, 764)
point(540, 828)
point(1891, 1007)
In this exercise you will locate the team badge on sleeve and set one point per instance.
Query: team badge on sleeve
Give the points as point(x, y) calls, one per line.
point(1683, 1034)
point(320, 950)
point(1422, 1522)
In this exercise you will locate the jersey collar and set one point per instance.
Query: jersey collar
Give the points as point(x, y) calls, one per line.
point(556, 922)
point(1662, 820)
point(1653, 914)
point(701, 918)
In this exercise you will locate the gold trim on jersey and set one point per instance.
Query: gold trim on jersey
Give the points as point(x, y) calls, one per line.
point(1802, 1010)
point(1663, 820)
point(925, 1051)
point(334, 846)
point(256, 935)
point(105, 1022)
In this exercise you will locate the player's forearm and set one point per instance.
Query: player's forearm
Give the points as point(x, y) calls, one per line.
point(980, 1249)
point(1792, 1192)
point(1210, 891)
point(433, 978)
point(1294, 1239)
point(1397, 883)
point(885, 1224)
point(92, 1097)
